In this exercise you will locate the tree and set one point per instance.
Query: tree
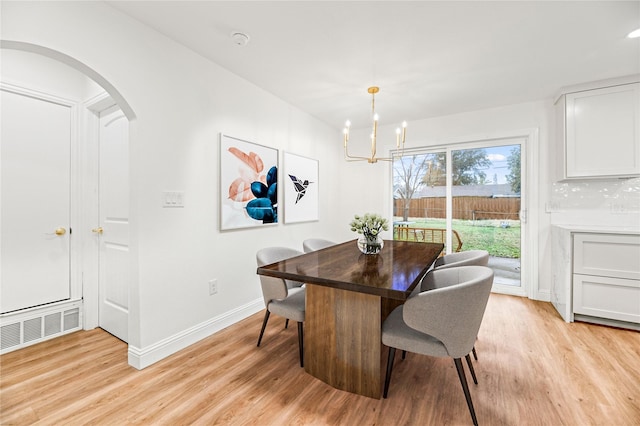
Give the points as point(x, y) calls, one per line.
point(408, 177)
point(412, 172)
point(513, 161)
point(467, 166)
point(466, 169)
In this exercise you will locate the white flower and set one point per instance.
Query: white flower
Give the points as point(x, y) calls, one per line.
point(369, 225)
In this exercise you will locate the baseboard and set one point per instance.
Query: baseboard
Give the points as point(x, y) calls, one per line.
point(607, 322)
point(143, 357)
point(543, 295)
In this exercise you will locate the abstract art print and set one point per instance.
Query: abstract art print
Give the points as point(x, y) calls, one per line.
point(300, 183)
point(248, 184)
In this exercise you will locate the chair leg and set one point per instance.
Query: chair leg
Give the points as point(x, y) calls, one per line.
point(473, 373)
point(264, 325)
point(286, 323)
point(475, 355)
point(387, 379)
point(465, 388)
point(301, 343)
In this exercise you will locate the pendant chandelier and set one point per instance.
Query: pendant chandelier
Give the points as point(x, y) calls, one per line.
point(400, 134)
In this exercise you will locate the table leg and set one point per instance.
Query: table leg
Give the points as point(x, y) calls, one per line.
point(343, 339)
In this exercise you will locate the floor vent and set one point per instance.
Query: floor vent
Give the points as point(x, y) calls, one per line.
point(21, 329)
point(52, 324)
point(9, 335)
point(32, 329)
point(71, 319)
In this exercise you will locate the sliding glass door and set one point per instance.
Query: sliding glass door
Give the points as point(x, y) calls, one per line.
point(468, 196)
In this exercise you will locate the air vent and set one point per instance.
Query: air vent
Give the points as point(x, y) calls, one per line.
point(21, 329)
point(52, 324)
point(32, 329)
point(71, 319)
point(9, 335)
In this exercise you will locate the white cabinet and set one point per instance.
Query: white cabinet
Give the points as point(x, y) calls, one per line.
point(606, 276)
point(601, 132)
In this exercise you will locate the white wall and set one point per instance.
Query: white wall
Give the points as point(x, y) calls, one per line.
point(181, 103)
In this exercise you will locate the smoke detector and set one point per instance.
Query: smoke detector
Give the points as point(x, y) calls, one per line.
point(239, 38)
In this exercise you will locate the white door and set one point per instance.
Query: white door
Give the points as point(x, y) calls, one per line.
point(113, 229)
point(476, 191)
point(35, 148)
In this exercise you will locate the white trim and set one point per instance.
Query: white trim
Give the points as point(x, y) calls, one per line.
point(143, 357)
point(599, 84)
point(89, 164)
point(543, 295)
point(36, 94)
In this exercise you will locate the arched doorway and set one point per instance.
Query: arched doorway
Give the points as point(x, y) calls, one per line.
point(61, 313)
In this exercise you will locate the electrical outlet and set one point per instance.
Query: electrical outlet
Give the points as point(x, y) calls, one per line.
point(213, 287)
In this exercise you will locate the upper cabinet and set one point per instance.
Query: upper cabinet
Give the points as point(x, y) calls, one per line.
point(600, 128)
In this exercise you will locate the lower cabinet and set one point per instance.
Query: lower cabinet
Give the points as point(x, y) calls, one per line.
point(606, 276)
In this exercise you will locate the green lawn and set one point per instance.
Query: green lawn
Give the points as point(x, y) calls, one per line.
point(487, 235)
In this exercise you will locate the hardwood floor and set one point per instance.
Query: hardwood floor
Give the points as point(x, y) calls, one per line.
point(533, 369)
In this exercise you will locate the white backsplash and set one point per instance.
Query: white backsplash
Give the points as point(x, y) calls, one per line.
point(614, 202)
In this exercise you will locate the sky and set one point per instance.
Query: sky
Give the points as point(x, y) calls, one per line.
point(499, 168)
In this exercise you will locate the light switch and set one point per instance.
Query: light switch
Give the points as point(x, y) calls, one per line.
point(173, 199)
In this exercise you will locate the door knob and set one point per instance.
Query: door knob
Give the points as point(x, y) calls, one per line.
point(97, 230)
point(60, 231)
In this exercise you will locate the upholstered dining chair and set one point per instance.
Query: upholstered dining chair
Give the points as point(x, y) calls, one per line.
point(441, 322)
point(313, 244)
point(282, 297)
point(462, 258)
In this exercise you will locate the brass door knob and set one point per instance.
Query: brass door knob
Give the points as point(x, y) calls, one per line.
point(97, 230)
point(60, 231)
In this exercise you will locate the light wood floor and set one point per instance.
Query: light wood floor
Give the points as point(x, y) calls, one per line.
point(533, 369)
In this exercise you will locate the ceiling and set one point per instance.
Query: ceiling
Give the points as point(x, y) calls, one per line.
point(430, 58)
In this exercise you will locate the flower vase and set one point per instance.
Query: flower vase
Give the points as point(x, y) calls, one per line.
point(370, 245)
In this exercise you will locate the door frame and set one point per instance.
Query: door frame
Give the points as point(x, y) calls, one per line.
point(528, 213)
point(90, 166)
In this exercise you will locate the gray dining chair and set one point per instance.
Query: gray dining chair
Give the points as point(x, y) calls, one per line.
point(313, 244)
point(454, 260)
point(442, 322)
point(463, 258)
point(282, 297)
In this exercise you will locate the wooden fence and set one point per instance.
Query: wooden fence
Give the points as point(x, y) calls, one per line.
point(469, 208)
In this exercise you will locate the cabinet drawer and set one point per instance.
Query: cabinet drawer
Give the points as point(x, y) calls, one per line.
point(607, 255)
point(613, 298)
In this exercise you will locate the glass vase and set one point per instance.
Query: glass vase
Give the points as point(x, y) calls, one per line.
point(370, 245)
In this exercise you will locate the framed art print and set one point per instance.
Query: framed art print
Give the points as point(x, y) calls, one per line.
point(248, 184)
point(300, 183)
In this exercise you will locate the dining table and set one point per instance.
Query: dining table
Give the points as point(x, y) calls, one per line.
point(348, 296)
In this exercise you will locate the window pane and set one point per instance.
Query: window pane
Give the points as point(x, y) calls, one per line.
point(486, 206)
point(420, 197)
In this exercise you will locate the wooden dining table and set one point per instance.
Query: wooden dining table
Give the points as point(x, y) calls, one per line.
point(348, 296)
